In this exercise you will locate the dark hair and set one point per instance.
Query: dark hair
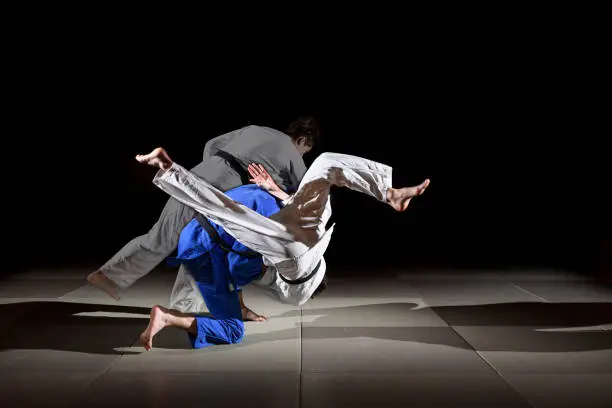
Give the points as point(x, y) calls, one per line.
point(305, 126)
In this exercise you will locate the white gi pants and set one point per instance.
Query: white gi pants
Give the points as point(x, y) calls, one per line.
point(294, 239)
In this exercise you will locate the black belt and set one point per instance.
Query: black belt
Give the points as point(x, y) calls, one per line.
point(301, 280)
point(212, 232)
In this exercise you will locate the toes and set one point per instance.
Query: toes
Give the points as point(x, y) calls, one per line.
point(146, 341)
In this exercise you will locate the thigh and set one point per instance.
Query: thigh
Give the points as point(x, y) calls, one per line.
point(223, 305)
point(307, 212)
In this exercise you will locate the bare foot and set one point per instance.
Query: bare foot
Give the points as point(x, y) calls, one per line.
point(400, 198)
point(100, 280)
point(157, 158)
point(251, 316)
point(157, 322)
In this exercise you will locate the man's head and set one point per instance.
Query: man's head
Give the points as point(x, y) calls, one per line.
point(305, 133)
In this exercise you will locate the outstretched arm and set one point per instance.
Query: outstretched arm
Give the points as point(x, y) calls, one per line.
point(263, 179)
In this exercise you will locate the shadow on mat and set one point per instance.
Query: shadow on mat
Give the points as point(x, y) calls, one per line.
point(77, 327)
point(525, 326)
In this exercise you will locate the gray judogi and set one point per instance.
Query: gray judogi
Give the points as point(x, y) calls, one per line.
point(224, 164)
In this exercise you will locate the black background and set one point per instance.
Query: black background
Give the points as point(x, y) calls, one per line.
point(508, 126)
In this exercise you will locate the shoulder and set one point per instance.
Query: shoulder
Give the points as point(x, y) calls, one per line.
point(240, 192)
point(269, 132)
point(258, 193)
point(262, 200)
point(249, 192)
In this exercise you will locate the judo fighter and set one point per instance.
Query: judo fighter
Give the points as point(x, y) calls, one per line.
point(219, 266)
point(291, 241)
point(224, 166)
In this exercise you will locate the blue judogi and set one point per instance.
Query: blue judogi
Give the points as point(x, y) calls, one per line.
point(220, 274)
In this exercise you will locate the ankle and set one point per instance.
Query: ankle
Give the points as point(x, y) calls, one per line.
point(390, 194)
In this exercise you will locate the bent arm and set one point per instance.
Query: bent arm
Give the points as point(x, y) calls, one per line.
point(263, 179)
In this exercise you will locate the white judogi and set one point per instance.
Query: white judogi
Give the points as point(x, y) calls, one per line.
point(292, 242)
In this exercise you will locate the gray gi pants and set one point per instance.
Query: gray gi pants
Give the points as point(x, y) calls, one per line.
point(143, 253)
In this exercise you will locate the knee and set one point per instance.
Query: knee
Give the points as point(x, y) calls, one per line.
point(237, 331)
